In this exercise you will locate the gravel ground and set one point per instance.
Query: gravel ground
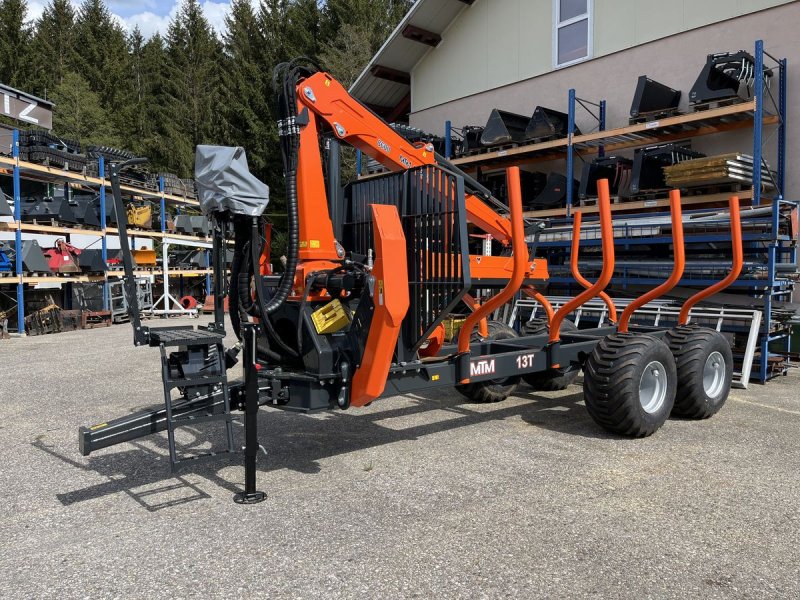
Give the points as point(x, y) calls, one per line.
point(419, 496)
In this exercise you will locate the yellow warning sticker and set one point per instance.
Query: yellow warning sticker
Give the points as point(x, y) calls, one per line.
point(314, 243)
point(434, 377)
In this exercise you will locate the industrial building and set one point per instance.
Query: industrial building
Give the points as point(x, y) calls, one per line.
point(448, 65)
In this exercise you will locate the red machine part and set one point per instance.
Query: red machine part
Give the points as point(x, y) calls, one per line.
point(62, 257)
point(188, 302)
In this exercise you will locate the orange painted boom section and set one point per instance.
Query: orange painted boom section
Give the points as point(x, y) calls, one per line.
point(355, 124)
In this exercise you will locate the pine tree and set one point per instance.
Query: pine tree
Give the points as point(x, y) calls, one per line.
point(273, 20)
point(79, 113)
point(14, 37)
point(247, 90)
point(101, 56)
point(304, 28)
point(193, 94)
point(145, 116)
point(52, 48)
point(348, 53)
point(374, 18)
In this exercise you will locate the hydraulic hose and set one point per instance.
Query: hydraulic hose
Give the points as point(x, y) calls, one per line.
point(261, 293)
point(290, 147)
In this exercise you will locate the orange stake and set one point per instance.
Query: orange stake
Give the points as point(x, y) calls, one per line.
point(738, 259)
point(483, 326)
point(573, 263)
point(520, 249)
point(607, 235)
point(543, 302)
point(677, 268)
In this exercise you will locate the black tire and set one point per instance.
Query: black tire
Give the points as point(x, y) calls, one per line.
point(612, 377)
point(494, 390)
point(700, 394)
point(553, 380)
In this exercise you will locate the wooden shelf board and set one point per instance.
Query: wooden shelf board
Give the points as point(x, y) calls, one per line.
point(636, 135)
point(7, 279)
point(60, 230)
point(60, 174)
point(49, 229)
point(158, 235)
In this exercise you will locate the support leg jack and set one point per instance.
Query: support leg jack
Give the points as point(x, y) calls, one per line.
point(250, 495)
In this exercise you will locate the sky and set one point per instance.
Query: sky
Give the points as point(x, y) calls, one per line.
point(150, 15)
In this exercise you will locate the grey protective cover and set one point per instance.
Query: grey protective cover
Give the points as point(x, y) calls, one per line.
point(224, 182)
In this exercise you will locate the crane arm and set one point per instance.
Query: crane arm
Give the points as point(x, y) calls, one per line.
point(355, 124)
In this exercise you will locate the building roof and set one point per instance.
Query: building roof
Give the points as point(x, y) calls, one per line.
point(385, 84)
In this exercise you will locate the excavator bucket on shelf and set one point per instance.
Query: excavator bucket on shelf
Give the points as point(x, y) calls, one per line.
point(472, 138)
point(90, 260)
point(140, 215)
point(726, 76)
point(504, 127)
point(33, 259)
point(5, 205)
point(616, 169)
point(144, 257)
point(546, 123)
point(47, 208)
point(86, 208)
point(649, 163)
point(554, 194)
point(653, 98)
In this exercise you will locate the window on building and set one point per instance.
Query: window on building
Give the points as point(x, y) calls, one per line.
point(572, 31)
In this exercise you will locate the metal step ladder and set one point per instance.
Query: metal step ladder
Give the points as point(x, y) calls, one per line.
point(196, 367)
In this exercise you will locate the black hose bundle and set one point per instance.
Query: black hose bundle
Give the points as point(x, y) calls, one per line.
point(247, 252)
point(289, 74)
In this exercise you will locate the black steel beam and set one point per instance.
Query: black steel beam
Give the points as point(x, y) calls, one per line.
point(423, 36)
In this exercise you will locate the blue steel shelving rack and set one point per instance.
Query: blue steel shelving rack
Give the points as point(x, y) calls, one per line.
point(777, 249)
point(19, 278)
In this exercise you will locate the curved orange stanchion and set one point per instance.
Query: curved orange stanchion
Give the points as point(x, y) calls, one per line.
point(520, 249)
point(483, 325)
point(677, 268)
point(573, 264)
point(607, 235)
point(543, 302)
point(738, 260)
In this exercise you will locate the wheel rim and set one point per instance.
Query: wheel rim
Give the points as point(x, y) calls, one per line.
point(714, 375)
point(653, 387)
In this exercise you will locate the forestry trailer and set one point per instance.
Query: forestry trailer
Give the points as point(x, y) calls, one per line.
point(374, 270)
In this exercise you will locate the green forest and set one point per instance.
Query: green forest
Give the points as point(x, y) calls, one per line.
point(162, 96)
